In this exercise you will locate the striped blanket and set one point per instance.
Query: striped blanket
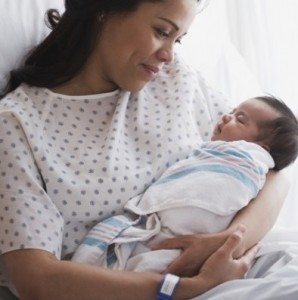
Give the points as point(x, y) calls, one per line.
point(200, 194)
point(221, 177)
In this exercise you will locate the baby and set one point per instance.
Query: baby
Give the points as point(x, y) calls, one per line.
point(200, 194)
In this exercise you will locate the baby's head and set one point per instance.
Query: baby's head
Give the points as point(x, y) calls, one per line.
point(266, 121)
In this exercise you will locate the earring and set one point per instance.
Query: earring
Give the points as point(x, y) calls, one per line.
point(101, 17)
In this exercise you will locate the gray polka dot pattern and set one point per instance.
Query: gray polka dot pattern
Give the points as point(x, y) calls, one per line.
point(68, 162)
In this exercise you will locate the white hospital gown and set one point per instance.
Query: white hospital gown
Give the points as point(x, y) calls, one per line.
point(68, 162)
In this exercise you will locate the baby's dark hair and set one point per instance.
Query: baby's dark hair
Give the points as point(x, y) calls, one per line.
point(280, 134)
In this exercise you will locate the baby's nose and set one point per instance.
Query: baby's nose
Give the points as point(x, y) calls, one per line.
point(226, 118)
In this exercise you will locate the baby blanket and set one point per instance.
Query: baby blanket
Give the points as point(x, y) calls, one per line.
point(197, 195)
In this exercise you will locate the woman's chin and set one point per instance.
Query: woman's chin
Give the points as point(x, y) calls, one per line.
point(134, 88)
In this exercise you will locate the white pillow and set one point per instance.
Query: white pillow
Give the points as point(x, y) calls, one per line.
point(22, 26)
point(224, 68)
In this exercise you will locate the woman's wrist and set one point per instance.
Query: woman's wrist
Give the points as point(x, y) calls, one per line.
point(176, 288)
point(168, 286)
point(190, 287)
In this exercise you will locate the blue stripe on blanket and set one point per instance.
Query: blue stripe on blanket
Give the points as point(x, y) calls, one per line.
point(238, 153)
point(223, 153)
point(212, 168)
point(115, 222)
point(110, 227)
point(95, 242)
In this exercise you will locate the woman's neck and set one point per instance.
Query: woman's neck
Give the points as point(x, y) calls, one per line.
point(84, 84)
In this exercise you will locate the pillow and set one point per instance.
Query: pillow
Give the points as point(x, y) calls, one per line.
point(224, 69)
point(22, 26)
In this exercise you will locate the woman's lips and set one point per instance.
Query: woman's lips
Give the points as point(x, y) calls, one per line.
point(152, 71)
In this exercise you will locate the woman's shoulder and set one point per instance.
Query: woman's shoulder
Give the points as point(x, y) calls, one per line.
point(13, 98)
point(22, 103)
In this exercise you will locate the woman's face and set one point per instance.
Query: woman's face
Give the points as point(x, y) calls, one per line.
point(133, 47)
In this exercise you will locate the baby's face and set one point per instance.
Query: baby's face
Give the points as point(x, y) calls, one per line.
point(243, 122)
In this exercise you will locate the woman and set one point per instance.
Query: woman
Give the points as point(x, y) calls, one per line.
point(85, 128)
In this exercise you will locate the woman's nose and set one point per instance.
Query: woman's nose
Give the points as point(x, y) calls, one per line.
point(166, 54)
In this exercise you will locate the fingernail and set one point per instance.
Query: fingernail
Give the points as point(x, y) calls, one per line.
point(241, 228)
point(239, 231)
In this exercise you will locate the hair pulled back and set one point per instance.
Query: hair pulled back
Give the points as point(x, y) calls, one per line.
point(65, 50)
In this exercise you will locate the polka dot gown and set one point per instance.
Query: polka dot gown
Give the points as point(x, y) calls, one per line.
point(68, 162)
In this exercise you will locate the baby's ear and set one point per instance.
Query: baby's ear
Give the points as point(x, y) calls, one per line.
point(266, 147)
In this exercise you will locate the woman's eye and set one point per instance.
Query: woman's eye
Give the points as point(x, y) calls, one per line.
point(162, 33)
point(178, 41)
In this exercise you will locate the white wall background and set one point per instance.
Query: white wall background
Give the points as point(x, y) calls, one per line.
point(245, 47)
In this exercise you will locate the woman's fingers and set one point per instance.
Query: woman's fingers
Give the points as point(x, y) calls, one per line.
point(233, 241)
point(172, 243)
point(237, 267)
point(221, 266)
point(250, 254)
point(181, 266)
point(193, 256)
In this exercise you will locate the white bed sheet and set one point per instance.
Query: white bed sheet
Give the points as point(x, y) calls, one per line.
point(273, 276)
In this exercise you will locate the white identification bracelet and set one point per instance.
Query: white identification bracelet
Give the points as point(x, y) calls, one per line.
point(167, 287)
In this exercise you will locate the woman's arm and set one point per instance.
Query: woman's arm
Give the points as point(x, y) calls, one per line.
point(38, 275)
point(258, 217)
point(261, 213)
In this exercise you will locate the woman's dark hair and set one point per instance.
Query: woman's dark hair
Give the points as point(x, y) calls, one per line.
point(65, 51)
point(280, 134)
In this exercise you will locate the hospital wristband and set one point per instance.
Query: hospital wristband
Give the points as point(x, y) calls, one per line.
point(167, 287)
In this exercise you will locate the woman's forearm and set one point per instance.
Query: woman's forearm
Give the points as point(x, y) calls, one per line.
point(261, 213)
point(38, 275)
point(43, 277)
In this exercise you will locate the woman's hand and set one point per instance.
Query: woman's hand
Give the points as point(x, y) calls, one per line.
point(195, 250)
point(222, 266)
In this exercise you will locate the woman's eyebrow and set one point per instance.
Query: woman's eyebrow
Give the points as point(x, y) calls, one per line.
point(171, 22)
